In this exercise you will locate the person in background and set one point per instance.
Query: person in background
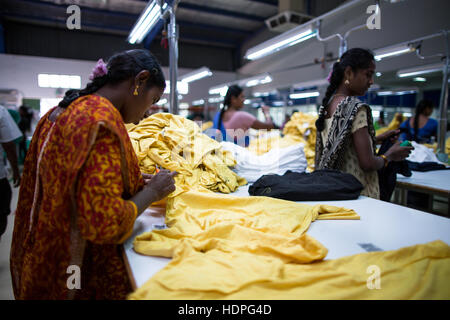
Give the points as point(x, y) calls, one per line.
point(345, 134)
point(9, 132)
point(197, 118)
point(232, 118)
point(287, 118)
point(420, 128)
point(25, 127)
point(380, 122)
point(82, 188)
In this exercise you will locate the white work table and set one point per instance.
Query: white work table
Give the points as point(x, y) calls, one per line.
point(383, 225)
point(434, 183)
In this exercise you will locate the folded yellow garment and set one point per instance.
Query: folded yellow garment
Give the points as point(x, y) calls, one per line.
point(211, 270)
point(192, 214)
point(176, 143)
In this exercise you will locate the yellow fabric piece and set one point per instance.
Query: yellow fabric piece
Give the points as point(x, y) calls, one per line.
point(393, 125)
point(201, 215)
point(176, 143)
point(209, 270)
point(447, 146)
point(301, 128)
point(207, 125)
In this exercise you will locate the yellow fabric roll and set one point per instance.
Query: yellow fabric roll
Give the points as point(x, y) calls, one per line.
point(211, 270)
point(301, 128)
point(176, 143)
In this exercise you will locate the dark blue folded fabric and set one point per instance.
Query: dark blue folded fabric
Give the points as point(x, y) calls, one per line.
point(315, 186)
point(426, 166)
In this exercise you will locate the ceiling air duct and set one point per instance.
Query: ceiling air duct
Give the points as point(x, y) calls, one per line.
point(290, 15)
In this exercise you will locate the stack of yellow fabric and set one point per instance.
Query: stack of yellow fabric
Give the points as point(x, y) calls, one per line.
point(177, 144)
point(393, 125)
point(227, 247)
point(300, 129)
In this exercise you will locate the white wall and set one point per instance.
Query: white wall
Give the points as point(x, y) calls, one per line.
point(21, 73)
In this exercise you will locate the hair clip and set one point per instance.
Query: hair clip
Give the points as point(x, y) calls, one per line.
point(155, 71)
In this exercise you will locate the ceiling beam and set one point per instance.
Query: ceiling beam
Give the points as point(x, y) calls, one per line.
point(213, 27)
point(221, 12)
point(268, 2)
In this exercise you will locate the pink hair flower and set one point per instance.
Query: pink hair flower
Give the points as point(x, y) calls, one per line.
point(99, 70)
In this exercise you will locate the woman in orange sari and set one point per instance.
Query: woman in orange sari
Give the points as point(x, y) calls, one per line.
point(82, 188)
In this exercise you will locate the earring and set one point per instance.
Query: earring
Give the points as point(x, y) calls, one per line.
point(136, 93)
point(347, 82)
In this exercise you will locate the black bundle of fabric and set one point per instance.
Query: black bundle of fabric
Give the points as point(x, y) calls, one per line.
point(319, 185)
point(426, 166)
point(387, 176)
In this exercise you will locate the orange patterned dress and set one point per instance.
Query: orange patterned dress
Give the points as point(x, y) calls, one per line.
point(73, 208)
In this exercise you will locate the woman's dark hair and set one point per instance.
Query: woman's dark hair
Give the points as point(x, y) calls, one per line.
point(121, 67)
point(356, 59)
point(233, 91)
point(420, 108)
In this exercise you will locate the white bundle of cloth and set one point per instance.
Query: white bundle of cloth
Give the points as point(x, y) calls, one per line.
point(276, 161)
point(422, 153)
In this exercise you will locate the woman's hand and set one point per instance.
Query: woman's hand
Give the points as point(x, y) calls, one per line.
point(147, 177)
point(398, 153)
point(156, 187)
point(161, 184)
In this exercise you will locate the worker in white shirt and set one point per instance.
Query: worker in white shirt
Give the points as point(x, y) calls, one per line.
point(9, 132)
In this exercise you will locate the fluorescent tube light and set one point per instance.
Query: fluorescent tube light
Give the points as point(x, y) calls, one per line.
point(182, 87)
point(420, 70)
point(196, 75)
point(256, 80)
point(215, 99)
point(280, 42)
point(303, 95)
point(222, 90)
point(392, 51)
point(59, 81)
point(396, 92)
point(419, 79)
point(385, 93)
point(198, 102)
point(261, 94)
point(146, 21)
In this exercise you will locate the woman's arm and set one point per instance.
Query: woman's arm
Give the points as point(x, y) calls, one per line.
point(367, 160)
point(104, 217)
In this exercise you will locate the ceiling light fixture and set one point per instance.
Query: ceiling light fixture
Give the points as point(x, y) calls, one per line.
point(146, 21)
point(196, 75)
point(420, 70)
point(392, 51)
point(303, 95)
point(287, 39)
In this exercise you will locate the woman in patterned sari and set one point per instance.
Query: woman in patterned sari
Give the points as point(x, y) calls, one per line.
point(82, 188)
point(346, 137)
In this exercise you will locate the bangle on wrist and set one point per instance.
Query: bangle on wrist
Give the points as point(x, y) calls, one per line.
point(385, 159)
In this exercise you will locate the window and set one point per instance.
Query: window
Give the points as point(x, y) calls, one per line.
point(59, 81)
